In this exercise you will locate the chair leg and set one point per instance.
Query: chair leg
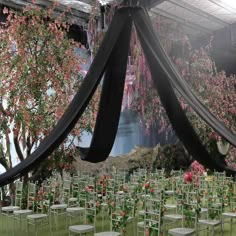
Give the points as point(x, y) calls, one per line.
point(231, 226)
point(27, 228)
point(35, 230)
point(221, 228)
point(50, 225)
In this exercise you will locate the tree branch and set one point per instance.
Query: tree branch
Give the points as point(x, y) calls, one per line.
point(3, 160)
point(8, 149)
point(29, 145)
point(38, 173)
point(18, 150)
point(2, 109)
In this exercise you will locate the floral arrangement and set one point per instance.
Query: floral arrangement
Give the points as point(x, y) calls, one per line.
point(152, 227)
point(188, 177)
point(122, 213)
point(101, 185)
point(189, 206)
point(44, 200)
point(214, 210)
point(91, 202)
point(90, 212)
point(197, 168)
point(149, 188)
point(230, 196)
point(111, 203)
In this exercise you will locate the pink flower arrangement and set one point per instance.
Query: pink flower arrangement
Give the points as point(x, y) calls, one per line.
point(196, 167)
point(188, 177)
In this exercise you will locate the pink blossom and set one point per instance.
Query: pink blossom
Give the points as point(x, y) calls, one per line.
point(188, 177)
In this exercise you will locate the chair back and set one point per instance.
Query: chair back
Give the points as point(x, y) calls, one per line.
point(31, 196)
point(90, 209)
point(66, 191)
point(18, 193)
point(215, 204)
point(153, 216)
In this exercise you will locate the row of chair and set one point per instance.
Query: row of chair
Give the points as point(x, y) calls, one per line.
point(118, 199)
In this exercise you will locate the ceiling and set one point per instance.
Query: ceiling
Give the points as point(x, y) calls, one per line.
point(197, 17)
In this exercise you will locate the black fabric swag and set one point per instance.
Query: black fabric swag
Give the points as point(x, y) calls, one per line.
point(111, 100)
point(112, 59)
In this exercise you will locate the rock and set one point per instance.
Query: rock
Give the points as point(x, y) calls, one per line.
point(167, 156)
point(139, 157)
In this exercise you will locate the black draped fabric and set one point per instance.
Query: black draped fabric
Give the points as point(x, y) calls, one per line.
point(164, 75)
point(111, 100)
point(101, 143)
point(175, 113)
point(76, 107)
point(143, 22)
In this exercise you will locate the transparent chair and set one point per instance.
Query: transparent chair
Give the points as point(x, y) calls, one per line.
point(123, 213)
point(40, 218)
point(20, 215)
point(89, 218)
point(174, 216)
point(74, 194)
point(8, 211)
point(78, 211)
point(110, 232)
point(229, 213)
point(191, 212)
point(214, 213)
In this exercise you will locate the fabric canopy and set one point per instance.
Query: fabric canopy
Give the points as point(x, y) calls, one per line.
point(112, 59)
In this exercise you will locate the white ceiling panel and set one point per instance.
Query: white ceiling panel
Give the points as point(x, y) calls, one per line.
point(203, 15)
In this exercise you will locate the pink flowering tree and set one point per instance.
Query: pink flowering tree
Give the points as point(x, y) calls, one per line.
point(215, 89)
point(39, 73)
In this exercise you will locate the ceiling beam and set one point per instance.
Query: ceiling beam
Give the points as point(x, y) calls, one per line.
point(223, 5)
point(90, 2)
point(73, 14)
point(150, 3)
point(145, 3)
point(181, 20)
point(198, 11)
